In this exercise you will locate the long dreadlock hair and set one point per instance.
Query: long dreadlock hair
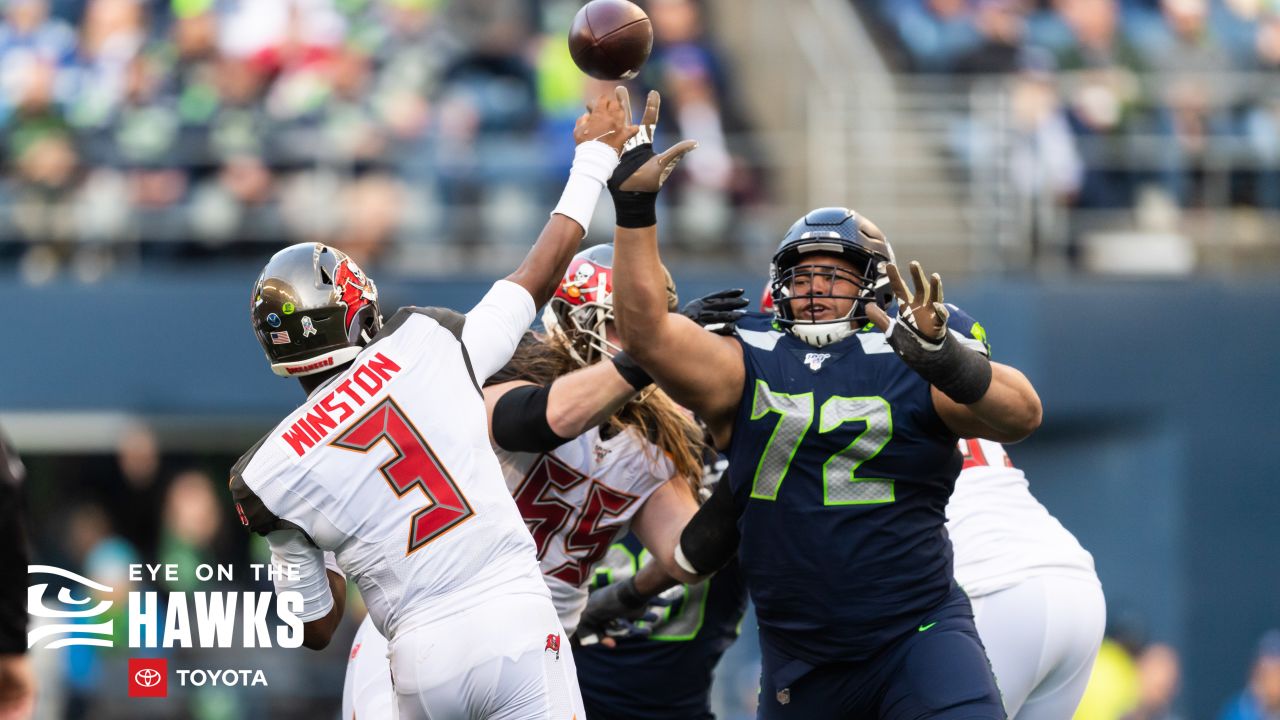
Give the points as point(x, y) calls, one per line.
point(652, 414)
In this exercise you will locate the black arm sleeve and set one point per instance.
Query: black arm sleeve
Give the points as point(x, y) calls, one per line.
point(520, 421)
point(13, 555)
point(710, 539)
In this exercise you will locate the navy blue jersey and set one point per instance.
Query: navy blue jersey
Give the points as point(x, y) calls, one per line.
point(666, 676)
point(840, 470)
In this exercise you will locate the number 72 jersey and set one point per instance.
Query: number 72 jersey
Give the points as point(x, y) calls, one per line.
point(389, 466)
point(841, 470)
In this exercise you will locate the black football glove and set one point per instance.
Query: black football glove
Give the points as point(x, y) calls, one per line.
point(613, 610)
point(717, 312)
point(641, 172)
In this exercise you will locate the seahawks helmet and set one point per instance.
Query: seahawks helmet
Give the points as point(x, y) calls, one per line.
point(583, 304)
point(313, 309)
point(830, 231)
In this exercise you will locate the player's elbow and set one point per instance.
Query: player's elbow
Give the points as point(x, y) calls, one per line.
point(1035, 415)
point(675, 570)
point(1022, 419)
point(316, 635)
point(565, 421)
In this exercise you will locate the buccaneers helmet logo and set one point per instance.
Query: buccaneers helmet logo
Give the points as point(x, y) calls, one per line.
point(582, 280)
point(356, 290)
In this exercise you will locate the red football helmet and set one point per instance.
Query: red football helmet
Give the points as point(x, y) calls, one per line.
point(582, 307)
point(583, 304)
point(766, 299)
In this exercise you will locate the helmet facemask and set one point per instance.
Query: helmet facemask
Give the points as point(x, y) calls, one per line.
point(583, 328)
point(834, 232)
point(793, 288)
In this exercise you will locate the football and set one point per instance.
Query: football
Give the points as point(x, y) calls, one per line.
point(610, 39)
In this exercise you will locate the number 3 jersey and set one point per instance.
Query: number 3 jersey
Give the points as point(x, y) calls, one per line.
point(389, 466)
point(577, 500)
point(841, 470)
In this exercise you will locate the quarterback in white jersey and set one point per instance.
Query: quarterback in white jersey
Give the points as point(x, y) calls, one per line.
point(1036, 599)
point(388, 466)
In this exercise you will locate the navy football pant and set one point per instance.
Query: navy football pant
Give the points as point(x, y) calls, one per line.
point(938, 670)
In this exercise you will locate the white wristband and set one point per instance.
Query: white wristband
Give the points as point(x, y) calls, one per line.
point(331, 563)
point(593, 163)
point(684, 563)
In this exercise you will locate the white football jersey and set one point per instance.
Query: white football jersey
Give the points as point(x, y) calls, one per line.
point(389, 466)
point(1000, 534)
point(578, 500)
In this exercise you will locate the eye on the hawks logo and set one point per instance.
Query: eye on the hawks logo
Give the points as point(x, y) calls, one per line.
point(356, 289)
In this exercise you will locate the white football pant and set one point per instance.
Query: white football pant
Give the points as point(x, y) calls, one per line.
point(507, 658)
point(1042, 636)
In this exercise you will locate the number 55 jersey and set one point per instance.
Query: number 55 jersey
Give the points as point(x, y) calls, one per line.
point(580, 498)
point(841, 470)
point(388, 465)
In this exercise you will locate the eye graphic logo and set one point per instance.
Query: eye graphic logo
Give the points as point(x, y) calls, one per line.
point(77, 627)
point(148, 677)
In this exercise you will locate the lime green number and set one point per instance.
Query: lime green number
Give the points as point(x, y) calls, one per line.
point(795, 415)
point(841, 485)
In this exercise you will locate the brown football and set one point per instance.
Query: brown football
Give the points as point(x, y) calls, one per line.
point(610, 39)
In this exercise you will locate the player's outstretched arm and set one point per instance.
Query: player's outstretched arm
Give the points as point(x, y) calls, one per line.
point(974, 396)
point(525, 417)
point(628, 600)
point(1008, 412)
point(600, 135)
point(494, 327)
point(660, 521)
point(700, 370)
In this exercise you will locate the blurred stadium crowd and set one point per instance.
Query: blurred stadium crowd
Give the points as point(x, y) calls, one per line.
point(1115, 98)
point(199, 128)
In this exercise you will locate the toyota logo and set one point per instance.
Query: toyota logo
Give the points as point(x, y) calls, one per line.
point(147, 677)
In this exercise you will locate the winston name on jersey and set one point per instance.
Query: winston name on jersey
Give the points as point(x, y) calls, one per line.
point(389, 466)
point(840, 470)
point(577, 500)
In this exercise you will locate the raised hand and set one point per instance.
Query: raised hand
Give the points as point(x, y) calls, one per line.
point(923, 312)
point(641, 169)
point(608, 119)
